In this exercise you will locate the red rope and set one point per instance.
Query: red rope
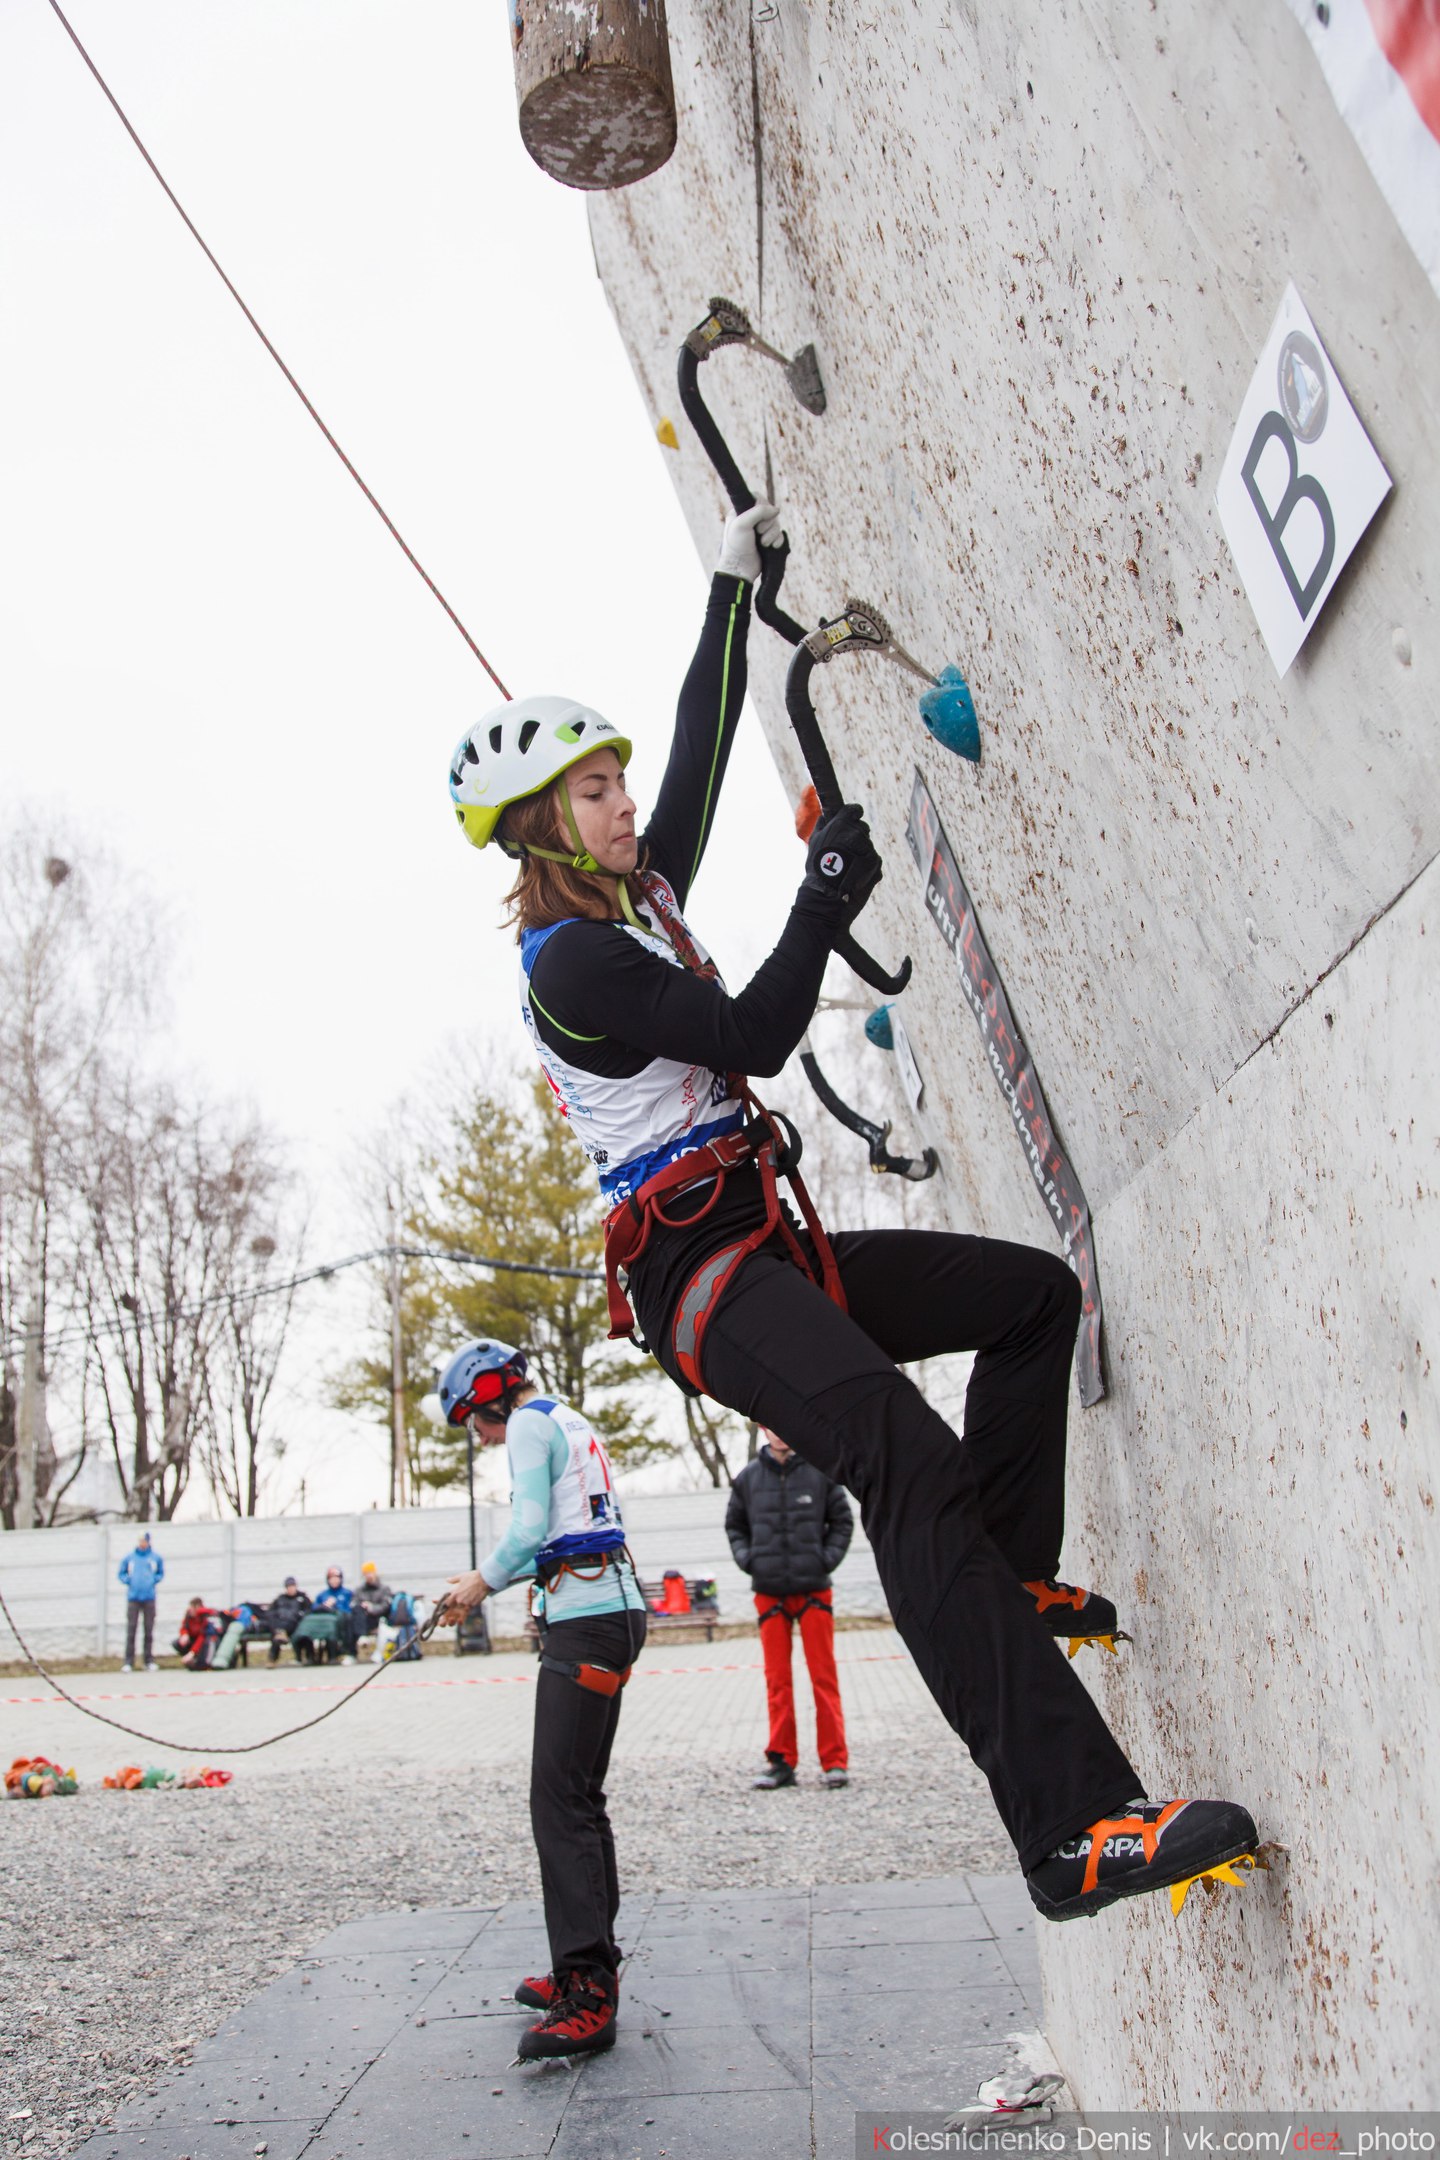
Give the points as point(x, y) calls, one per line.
point(367, 492)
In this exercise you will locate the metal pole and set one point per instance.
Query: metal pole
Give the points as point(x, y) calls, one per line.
point(470, 1488)
point(397, 1366)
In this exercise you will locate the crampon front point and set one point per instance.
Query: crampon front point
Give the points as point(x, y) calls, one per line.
point(1079, 1616)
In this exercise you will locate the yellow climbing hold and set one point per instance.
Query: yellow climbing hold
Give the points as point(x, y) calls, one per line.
point(665, 435)
point(1212, 1878)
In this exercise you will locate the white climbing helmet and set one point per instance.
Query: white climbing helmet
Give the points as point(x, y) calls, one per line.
point(518, 749)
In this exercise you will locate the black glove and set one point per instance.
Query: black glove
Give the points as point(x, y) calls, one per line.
point(842, 867)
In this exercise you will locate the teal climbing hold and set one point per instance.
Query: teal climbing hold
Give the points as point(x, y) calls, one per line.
point(878, 1029)
point(948, 711)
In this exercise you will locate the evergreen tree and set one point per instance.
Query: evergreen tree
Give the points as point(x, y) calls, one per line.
point(510, 1182)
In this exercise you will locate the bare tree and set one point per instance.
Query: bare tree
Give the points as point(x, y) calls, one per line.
point(174, 1198)
point(76, 962)
point(244, 1364)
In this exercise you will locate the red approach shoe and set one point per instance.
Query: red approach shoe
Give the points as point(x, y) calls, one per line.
point(580, 2022)
point(1083, 1615)
point(1152, 1845)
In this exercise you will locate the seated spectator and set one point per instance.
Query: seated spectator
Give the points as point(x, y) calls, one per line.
point(200, 1629)
point(284, 1616)
point(371, 1608)
point(401, 1626)
point(338, 1601)
point(239, 1621)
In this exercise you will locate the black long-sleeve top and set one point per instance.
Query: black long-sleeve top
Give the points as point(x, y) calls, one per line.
point(600, 999)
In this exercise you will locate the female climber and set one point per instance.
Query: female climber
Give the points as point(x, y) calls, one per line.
point(566, 1532)
point(648, 1056)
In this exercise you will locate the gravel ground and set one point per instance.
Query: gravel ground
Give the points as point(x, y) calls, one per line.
point(135, 1922)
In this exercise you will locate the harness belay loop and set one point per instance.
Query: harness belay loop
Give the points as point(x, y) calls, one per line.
point(628, 1228)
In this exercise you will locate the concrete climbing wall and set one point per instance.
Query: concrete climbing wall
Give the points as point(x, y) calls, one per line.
point(1039, 250)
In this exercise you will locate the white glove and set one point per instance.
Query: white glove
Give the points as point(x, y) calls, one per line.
point(745, 535)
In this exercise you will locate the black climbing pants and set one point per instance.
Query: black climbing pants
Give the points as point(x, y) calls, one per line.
point(574, 1733)
point(956, 1525)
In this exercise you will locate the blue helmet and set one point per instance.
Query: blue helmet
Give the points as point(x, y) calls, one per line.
point(483, 1372)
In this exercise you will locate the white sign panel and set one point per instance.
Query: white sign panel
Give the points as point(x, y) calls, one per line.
point(909, 1071)
point(1300, 483)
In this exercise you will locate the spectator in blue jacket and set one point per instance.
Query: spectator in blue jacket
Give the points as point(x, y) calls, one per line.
point(140, 1571)
point(335, 1598)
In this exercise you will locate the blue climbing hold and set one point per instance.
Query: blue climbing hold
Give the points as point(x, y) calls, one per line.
point(878, 1029)
point(948, 711)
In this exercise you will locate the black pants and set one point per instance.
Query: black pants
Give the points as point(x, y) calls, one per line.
point(956, 1527)
point(574, 1733)
point(138, 1610)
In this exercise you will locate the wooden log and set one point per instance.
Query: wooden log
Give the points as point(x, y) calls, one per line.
point(597, 103)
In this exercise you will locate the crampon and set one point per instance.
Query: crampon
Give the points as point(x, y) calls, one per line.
point(1081, 1615)
point(1153, 1845)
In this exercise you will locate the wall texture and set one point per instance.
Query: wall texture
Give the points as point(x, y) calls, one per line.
point(1039, 251)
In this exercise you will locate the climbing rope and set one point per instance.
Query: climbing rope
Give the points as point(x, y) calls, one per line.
point(391, 527)
point(250, 1747)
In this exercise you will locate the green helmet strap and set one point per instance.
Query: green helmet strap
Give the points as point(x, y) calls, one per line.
point(582, 859)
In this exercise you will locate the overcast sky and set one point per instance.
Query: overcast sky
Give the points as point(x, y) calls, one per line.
point(212, 655)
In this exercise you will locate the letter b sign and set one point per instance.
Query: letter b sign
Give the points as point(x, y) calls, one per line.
point(1300, 483)
point(1276, 521)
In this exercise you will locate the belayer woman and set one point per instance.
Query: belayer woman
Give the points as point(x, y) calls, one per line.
point(646, 1050)
point(565, 1530)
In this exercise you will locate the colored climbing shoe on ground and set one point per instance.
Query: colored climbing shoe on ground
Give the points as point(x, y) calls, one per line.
point(540, 1993)
point(948, 711)
point(581, 2022)
point(1082, 1615)
point(1153, 1845)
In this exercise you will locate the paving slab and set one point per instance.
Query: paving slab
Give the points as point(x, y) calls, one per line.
point(751, 2022)
point(217, 2141)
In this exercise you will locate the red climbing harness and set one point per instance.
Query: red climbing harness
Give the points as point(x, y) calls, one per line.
point(628, 1228)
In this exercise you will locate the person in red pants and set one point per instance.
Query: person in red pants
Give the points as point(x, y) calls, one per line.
point(789, 1528)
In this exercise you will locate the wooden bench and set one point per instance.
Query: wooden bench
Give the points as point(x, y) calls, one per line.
point(702, 1619)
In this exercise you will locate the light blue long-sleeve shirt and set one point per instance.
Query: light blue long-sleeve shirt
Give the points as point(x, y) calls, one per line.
point(539, 1456)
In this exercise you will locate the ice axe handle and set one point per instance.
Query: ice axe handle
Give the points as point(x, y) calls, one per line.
point(697, 412)
point(713, 443)
point(821, 769)
point(767, 592)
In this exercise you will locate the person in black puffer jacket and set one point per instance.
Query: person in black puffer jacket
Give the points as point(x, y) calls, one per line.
point(789, 1528)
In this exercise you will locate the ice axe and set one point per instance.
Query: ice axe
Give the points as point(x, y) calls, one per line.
point(727, 324)
point(946, 706)
point(875, 1136)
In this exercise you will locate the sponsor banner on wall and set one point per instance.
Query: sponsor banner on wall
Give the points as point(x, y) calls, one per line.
point(1381, 59)
point(953, 912)
point(1299, 485)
